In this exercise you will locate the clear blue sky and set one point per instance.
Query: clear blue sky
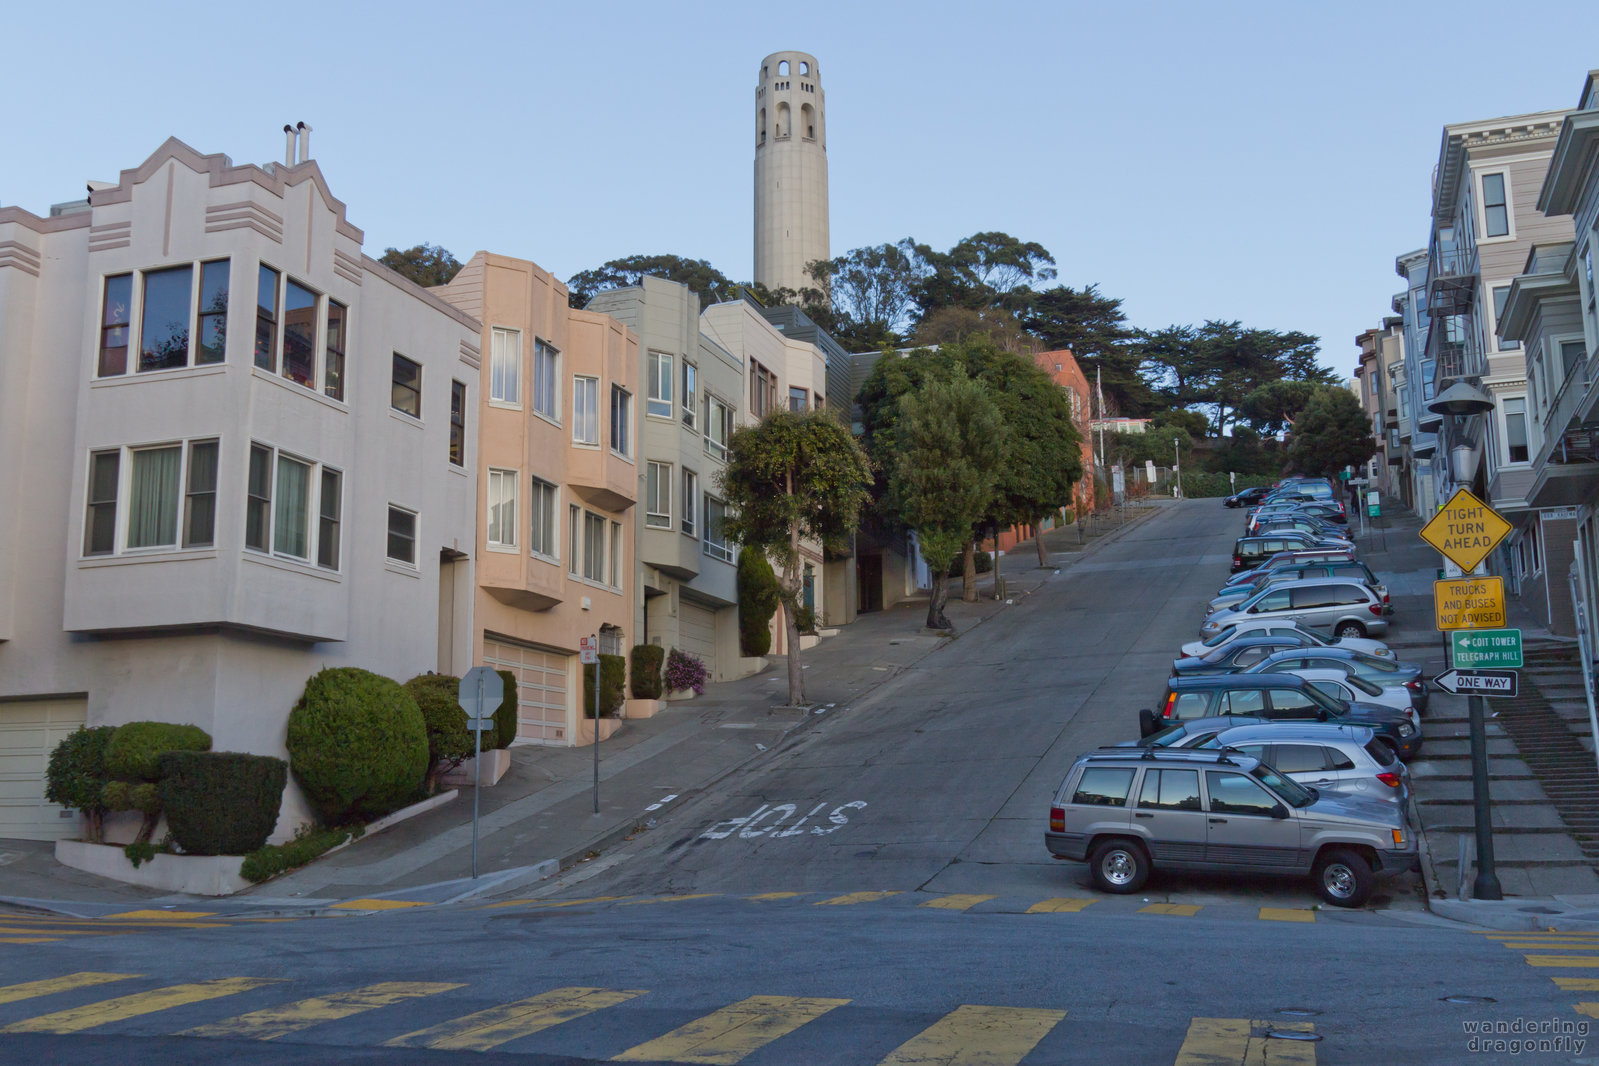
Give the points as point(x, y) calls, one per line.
point(1254, 161)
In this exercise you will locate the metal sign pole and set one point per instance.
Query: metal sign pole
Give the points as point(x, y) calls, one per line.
point(596, 726)
point(477, 768)
point(1579, 585)
point(1486, 886)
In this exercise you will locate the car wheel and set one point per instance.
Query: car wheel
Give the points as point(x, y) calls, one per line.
point(1119, 866)
point(1349, 629)
point(1343, 878)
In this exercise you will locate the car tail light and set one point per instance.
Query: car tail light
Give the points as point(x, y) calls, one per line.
point(1374, 608)
point(1414, 683)
point(1238, 560)
point(1387, 778)
point(1057, 819)
point(1171, 702)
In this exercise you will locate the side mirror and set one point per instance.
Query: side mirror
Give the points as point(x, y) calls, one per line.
point(1279, 811)
point(1146, 722)
point(1321, 714)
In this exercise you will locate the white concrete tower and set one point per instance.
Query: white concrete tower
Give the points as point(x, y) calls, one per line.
point(790, 170)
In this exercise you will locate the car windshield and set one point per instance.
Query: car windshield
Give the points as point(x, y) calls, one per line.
point(1314, 638)
point(1363, 685)
point(1221, 638)
point(1382, 666)
point(1295, 794)
point(1166, 737)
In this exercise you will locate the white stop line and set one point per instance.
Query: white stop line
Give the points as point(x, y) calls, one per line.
point(768, 820)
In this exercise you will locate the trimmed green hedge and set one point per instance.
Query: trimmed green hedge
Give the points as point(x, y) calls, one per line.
point(357, 745)
point(266, 863)
point(1200, 485)
point(221, 802)
point(613, 679)
point(644, 671)
point(758, 599)
point(77, 776)
point(135, 750)
point(505, 714)
point(438, 697)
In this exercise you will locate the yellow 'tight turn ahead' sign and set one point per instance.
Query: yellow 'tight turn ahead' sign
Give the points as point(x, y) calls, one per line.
point(1469, 603)
point(1465, 530)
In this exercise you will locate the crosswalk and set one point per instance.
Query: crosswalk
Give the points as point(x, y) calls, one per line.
point(46, 928)
point(623, 1025)
point(1570, 960)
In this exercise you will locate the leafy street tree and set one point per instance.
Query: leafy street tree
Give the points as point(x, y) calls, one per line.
point(1274, 406)
point(984, 270)
point(955, 325)
point(426, 264)
point(869, 293)
point(950, 446)
point(892, 377)
point(1094, 327)
point(1218, 364)
point(793, 476)
point(710, 284)
point(1331, 433)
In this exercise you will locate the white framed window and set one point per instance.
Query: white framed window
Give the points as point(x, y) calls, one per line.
point(546, 381)
point(505, 366)
point(457, 423)
point(1515, 411)
point(402, 536)
point(1573, 353)
point(1501, 296)
point(180, 319)
point(541, 507)
point(405, 391)
point(574, 538)
point(502, 487)
point(1496, 216)
point(690, 498)
point(718, 426)
point(690, 395)
point(621, 421)
point(585, 410)
point(798, 398)
point(659, 372)
point(594, 547)
point(716, 545)
point(282, 494)
point(658, 495)
point(166, 501)
point(300, 334)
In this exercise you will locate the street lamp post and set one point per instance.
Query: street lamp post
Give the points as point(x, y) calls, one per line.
point(1177, 465)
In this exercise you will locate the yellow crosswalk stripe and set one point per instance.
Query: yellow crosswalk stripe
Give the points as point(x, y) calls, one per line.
point(273, 1022)
point(1060, 905)
point(1545, 945)
point(534, 904)
point(1176, 910)
point(377, 905)
point(1591, 1010)
point(1233, 1041)
point(956, 902)
point(115, 1010)
point(162, 915)
point(977, 1036)
point(54, 933)
point(488, 1029)
point(1287, 914)
point(28, 939)
point(855, 897)
point(1552, 938)
point(669, 899)
point(724, 1037)
point(1577, 984)
point(775, 895)
point(1573, 961)
point(51, 985)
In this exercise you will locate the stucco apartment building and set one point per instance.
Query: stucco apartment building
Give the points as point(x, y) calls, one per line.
point(557, 474)
point(237, 450)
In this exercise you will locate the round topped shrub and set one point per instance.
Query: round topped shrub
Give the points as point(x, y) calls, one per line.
point(357, 745)
point(438, 696)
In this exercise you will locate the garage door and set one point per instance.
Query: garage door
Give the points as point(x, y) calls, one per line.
point(541, 676)
point(696, 633)
point(29, 732)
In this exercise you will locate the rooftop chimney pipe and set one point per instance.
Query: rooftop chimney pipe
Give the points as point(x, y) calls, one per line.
point(305, 141)
point(288, 146)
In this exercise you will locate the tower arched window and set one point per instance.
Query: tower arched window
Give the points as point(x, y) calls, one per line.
point(760, 129)
point(782, 68)
point(784, 122)
point(808, 119)
point(805, 68)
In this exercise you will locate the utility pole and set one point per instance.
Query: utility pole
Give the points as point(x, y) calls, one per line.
point(1177, 465)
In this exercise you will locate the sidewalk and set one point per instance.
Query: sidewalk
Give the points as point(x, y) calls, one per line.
point(1546, 876)
point(540, 818)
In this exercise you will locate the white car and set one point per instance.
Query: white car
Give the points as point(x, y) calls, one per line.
point(1265, 627)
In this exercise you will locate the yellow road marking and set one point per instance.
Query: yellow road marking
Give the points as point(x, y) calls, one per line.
point(539, 903)
point(855, 897)
point(1230, 1041)
point(956, 902)
point(1287, 914)
point(115, 1010)
point(162, 915)
point(1553, 938)
point(273, 1022)
point(28, 939)
point(488, 1029)
point(1545, 945)
point(1589, 1009)
point(377, 904)
point(1575, 961)
point(724, 1037)
point(775, 895)
point(1176, 910)
point(1060, 905)
point(22, 930)
point(1577, 984)
point(670, 899)
point(52, 985)
point(977, 1036)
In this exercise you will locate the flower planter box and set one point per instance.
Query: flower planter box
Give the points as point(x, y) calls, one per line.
point(495, 762)
point(585, 730)
point(680, 694)
point(640, 708)
point(195, 875)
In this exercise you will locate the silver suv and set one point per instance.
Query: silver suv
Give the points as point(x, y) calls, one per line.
point(1126, 810)
point(1342, 606)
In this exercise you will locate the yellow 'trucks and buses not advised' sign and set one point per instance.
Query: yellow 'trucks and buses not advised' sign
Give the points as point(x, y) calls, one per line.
point(1465, 530)
point(1469, 603)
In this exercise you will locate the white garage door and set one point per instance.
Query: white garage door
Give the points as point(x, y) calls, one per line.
point(541, 677)
point(696, 632)
point(29, 732)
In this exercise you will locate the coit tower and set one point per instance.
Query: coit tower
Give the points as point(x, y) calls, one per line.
point(790, 170)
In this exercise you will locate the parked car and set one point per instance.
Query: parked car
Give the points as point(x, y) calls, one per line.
point(1249, 552)
point(1342, 686)
point(1276, 696)
point(1193, 733)
point(1272, 627)
point(1293, 556)
point(1235, 590)
point(1379, 671)
point(1235, 656)
point(1341, 606)
point(1265, 527)
point(1247, 496)
point(1327, 757)
point(1127, 811)
point(1328, 511)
